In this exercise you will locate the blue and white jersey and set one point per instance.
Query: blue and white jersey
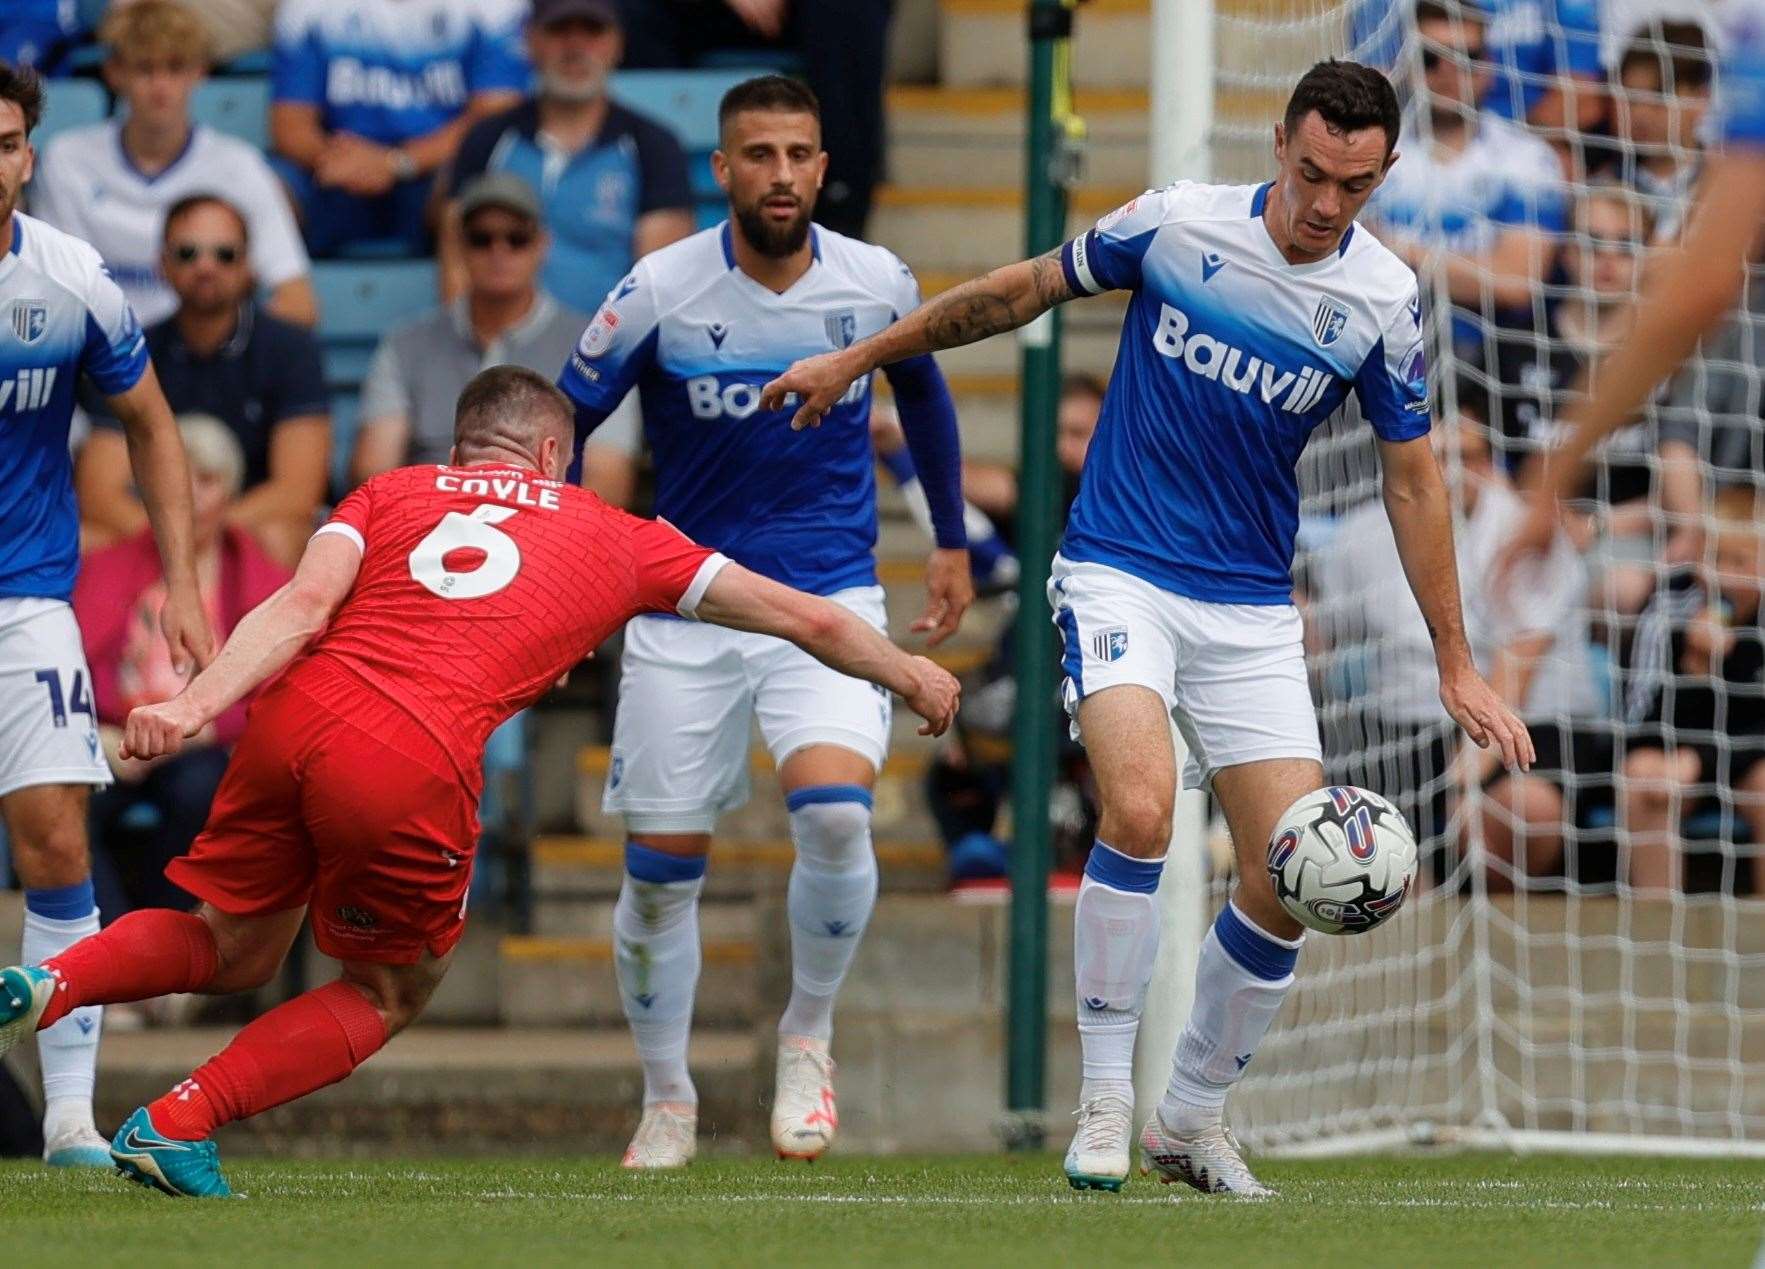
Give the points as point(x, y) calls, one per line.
point(1740, 84)
point(699, 339)
point(60, 316)
point(394, 70)
point(1504, 178)
point(1229, 357)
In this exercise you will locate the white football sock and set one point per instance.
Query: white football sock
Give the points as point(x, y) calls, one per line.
point(832, 894)
point(656, 960)
point(1241, 979)
point(69, 1049)
point(1115, 941)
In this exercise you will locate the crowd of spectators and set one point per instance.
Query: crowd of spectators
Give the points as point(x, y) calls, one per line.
point(1548, 154)
point(479, 132)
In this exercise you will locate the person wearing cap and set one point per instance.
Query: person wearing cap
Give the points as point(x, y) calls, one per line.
point(615, 182)
point(503, 317)
point(371, 98)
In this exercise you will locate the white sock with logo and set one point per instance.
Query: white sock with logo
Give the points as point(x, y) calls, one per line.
point(832, 894)
point(656, 959)
point(1115, 942)
point(69, 1049)
point(1241, 979)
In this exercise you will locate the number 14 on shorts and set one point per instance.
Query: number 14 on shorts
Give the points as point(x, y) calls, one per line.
point(76, 701)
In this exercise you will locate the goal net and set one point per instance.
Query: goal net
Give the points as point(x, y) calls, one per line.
point(1584, 966)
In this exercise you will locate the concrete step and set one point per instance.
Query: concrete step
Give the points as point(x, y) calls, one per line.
point(970, 229)
point(984, 42)
point(975, 136)
point(444, 1090)
point(568, 980)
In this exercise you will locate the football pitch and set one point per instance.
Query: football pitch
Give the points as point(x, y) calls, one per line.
point(946, 1212)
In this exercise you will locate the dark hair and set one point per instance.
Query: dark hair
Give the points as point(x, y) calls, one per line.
point(505, 406)
point(1348, 97)
point(1450, 11)
point(23, 87)
point(1472, 398)
point(1678, 53)
point(190, 202)
point(768, 92)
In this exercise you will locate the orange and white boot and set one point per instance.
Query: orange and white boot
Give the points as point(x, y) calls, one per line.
point(804, 1114)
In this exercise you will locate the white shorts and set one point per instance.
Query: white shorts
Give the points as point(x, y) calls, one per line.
point(1231, 675)
point(688, 695)
point(48, 730)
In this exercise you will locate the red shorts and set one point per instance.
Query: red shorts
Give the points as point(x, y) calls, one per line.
point(359, 825)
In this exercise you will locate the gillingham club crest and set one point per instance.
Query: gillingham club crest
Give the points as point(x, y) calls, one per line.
point(1110, 644)
point(1327, 322)
point(29, 319)
point(842, 328)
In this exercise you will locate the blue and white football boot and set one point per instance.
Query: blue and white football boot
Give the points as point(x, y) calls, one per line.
point(182, 1169)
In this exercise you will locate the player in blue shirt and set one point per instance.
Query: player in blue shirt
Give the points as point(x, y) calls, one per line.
point(699, 327)
point(61, 317)
point(1256, 312)
point(1691, 289)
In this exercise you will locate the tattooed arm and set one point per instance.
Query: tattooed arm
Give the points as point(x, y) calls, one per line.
point(1002, 300)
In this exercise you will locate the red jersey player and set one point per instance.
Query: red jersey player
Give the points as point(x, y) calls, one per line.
point(437, 601)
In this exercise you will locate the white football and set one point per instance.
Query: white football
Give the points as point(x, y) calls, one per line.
point(1342, 860)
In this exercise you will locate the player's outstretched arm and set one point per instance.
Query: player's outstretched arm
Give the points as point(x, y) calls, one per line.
point(1421, 521)
point(266, 639)
point(744, 600)
point(156, 454)
point(1689, 290)
point(1002, 300)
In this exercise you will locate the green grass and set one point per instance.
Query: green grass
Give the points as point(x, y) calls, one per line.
point(1479, 1210)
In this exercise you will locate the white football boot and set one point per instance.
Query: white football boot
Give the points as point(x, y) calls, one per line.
point(1207, 1159)
point(1097, 1159)
point(804, 1114)
point(667, 1137)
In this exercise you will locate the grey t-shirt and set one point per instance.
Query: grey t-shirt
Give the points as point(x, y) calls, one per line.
point(421, 367)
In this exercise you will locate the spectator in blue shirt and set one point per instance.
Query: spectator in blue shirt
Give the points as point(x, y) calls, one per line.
point(373, 96)
point(41, 34)
point(1544, 56)
point(613, 183)
point(1475, 201)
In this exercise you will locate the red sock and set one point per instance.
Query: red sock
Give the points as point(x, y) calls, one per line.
point(145, 954)
point(295, 1048)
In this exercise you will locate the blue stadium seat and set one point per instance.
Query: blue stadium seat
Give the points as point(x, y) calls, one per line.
point(239, 107)
point(359, 301)
point(684, 100)
point(71, 103)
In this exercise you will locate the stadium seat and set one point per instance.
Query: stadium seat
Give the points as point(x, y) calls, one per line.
point(239, 107)
point(361, 301)
point(71, 103)
point(684, 100)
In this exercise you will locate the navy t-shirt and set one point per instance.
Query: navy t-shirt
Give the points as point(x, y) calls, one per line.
point(593, 201)
point(267, 373)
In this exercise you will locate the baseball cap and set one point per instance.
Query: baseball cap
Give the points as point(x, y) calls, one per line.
point(503, 190)
point(545, 12)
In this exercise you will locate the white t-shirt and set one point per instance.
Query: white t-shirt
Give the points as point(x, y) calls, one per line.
point(1363, 593)
point(87, 186)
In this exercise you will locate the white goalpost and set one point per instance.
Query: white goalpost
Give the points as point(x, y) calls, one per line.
point(1564, 1010)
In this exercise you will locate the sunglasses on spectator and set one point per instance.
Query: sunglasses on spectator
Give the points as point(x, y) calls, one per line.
point(485, 239)
point(221, 253)
point(1432, 58)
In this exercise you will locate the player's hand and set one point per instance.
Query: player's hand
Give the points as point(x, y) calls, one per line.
point(1475, 707)
point(935, 696)
point(184, 622)
point(153, 731)
point(949, 590)
point(817, 382)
